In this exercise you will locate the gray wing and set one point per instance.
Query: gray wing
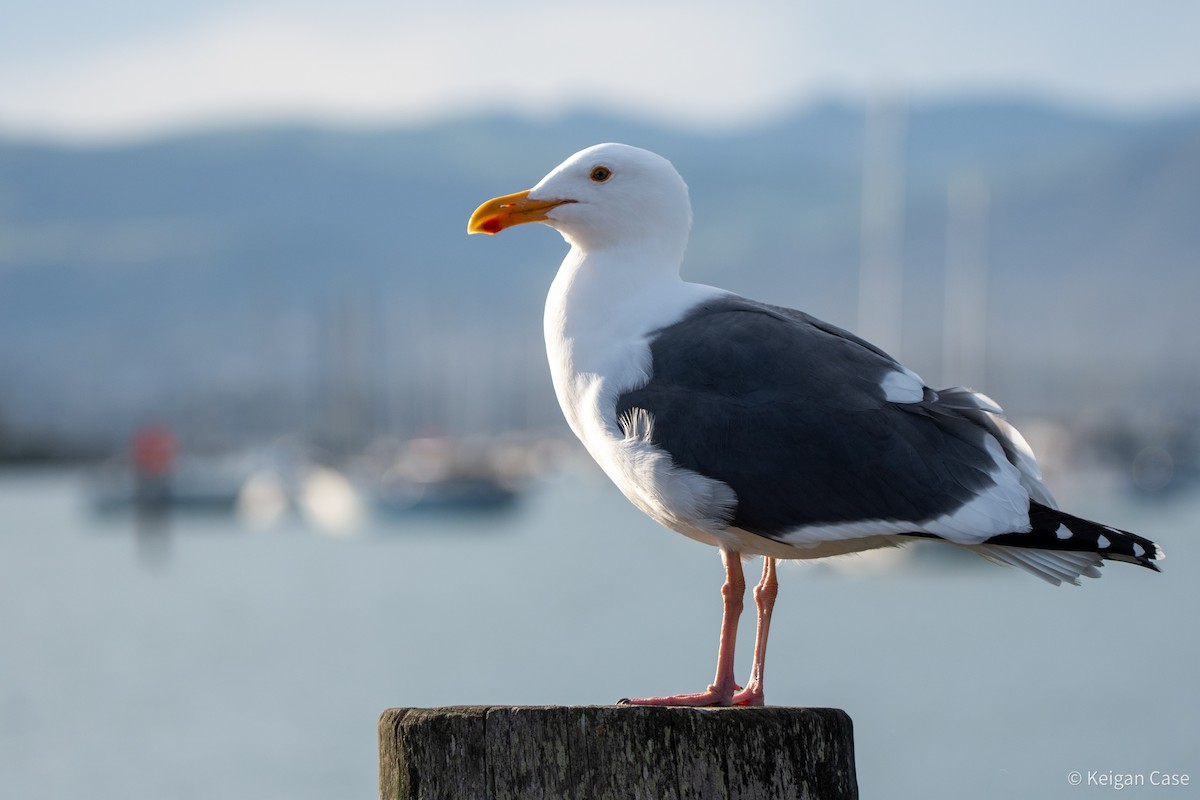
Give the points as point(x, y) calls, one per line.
point(793, 415)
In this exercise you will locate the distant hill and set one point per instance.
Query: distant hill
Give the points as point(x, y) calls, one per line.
point(248, 282)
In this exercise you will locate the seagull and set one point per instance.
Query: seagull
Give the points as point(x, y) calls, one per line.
point(761, 430)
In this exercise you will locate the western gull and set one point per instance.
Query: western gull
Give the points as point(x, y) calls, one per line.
point(762, 430)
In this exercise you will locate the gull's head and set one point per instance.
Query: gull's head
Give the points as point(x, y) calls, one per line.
point(607, 195)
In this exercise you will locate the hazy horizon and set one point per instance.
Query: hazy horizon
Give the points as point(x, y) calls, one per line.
point(135, 69)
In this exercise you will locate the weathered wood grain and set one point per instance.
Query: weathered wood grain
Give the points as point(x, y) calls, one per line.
point(619, 752)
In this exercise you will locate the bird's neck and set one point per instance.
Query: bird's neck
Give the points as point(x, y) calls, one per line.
point(600, 312)
point(605, 294)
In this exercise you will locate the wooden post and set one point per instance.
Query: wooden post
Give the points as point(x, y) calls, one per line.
point(619, 752)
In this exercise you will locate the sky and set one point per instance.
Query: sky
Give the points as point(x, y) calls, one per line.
point(83, 70)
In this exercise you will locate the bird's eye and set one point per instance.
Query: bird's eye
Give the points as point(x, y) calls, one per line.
point(601, 174)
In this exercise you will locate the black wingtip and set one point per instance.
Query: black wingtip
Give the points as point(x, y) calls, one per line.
point(1051, 529)
point(1147, 561)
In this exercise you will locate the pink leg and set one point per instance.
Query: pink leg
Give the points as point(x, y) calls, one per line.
point(764, 599)
point(721, 692)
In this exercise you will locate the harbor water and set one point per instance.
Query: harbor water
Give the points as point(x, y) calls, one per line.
point(201, 659)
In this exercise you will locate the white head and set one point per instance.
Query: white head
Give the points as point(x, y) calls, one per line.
point(609, 195)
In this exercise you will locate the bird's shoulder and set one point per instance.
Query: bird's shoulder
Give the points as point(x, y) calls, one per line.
point(734, 345)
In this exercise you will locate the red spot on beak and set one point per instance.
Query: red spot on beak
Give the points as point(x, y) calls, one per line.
point(491, 226)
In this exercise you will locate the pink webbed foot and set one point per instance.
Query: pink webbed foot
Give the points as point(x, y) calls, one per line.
point(712, 697)
point(752, 695)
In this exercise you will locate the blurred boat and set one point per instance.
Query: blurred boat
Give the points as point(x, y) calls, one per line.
point(194, 484)
point(456, 493)
point(260, 486)
point(444, 475)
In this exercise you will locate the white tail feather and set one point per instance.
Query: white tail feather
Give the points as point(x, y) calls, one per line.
point(1052, 566)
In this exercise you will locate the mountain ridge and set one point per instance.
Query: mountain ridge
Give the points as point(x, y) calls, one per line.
point(205, 274)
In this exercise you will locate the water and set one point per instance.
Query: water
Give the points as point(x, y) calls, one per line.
point(232, 664)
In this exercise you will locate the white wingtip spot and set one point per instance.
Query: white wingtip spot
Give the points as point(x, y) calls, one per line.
point(1138, 550)
point(903, 386)
point(1064, 532)
point(1103, 543)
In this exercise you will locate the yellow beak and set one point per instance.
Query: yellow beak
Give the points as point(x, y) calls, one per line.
point(512, 209)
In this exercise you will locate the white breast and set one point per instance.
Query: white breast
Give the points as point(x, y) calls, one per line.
point(598, 331)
